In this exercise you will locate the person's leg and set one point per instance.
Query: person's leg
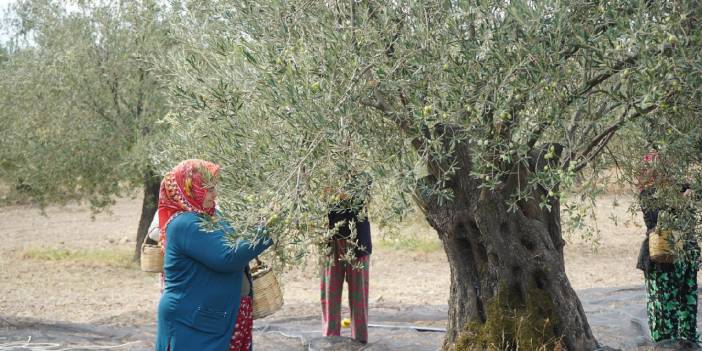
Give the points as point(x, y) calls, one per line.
point(242, 338)
point(358, 298)
point(686, 276)
point(332, 283)
point(659, 306)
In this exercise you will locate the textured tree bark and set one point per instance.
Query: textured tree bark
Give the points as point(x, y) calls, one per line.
point(490, 248)
point(148, 209)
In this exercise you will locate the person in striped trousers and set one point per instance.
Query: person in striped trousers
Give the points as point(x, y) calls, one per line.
point(348, 260)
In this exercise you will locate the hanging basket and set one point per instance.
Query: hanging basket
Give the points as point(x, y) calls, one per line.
point(151, 258)
point(267, 296)
point(659, 246)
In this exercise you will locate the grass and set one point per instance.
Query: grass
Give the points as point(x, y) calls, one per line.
point(119, 258)
point(514, 325)
point(411, 244)
point(413, 235)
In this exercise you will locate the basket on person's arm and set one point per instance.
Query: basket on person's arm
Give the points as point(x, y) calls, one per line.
point(151, 258)
point(267, 296)
point(659, 246)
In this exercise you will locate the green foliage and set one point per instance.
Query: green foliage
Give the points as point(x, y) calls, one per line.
point(513, 325)
point(79, 102)
point(292, 97)
point(119, 258)
point(4, 54)
point(413, 234)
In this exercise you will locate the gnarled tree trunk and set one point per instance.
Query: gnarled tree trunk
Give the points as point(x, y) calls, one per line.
point(503, 262)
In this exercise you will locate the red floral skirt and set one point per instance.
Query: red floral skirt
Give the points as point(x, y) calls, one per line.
point(243, 331)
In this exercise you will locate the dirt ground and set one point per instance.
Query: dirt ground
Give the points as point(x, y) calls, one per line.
point(37, 280)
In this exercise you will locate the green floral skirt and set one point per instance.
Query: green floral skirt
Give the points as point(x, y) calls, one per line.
point(672, 301)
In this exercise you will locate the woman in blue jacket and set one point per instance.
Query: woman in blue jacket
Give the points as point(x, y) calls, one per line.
point(207, 299)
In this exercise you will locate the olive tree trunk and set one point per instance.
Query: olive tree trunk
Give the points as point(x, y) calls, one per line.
point(148, 209)
point(508, 283)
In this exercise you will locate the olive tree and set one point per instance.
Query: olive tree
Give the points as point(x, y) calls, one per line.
point(484, 113)
point(79, 102)
point(4, 53)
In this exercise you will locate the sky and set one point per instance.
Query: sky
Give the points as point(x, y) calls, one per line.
point(4, 4)
point(3, 7)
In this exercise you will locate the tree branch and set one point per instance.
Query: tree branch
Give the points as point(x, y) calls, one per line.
point(600, 141)
point(591, 84)
point(402, 120)
point(574, 49)
point(381, 105)
point(536, 135)
point(390, 47)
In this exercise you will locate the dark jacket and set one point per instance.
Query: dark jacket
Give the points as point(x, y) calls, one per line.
point(354, 210)
point(363, 231)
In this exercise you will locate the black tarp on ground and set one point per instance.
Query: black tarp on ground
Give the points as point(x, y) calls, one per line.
point(617, 317)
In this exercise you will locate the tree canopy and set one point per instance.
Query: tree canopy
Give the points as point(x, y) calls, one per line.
point(79, 102)
point(288, 96)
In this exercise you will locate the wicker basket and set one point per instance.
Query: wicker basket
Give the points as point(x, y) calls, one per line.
point(659, 246)
point(267, 296)
point(151, 258)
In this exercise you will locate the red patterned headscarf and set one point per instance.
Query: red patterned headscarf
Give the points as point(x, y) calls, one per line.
point(184, 189)
point(648, 173)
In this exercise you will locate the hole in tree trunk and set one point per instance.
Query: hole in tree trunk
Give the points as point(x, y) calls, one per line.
point(516, 271)
point(481, 252)
point(505, 227)
point(473, 226)
point(493, 260)
point(540, 279)
point(518, 294)
point(527, 243)
point(470, 236)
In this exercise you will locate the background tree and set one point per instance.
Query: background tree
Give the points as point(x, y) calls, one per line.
point(4, 54)
point(79, 102)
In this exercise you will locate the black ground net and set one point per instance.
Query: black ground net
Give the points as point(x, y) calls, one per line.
point(617, 318)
